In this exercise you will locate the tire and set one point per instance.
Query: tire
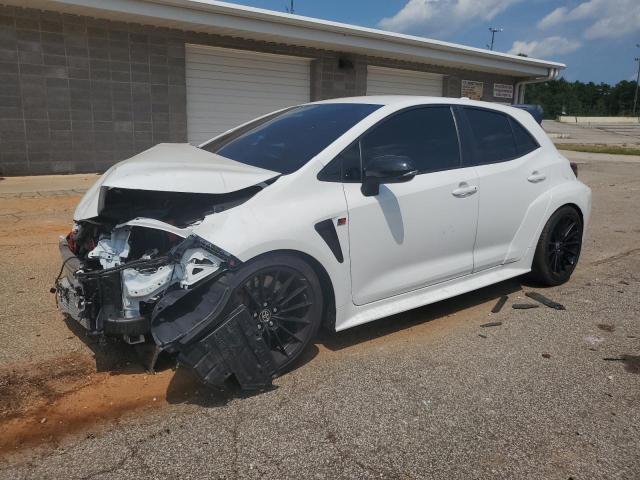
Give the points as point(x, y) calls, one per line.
point(289, 311)
point(558, 248)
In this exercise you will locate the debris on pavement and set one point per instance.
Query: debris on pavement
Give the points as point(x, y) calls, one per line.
point(606, 327)
point(613, 359)
point(524, 306)
point(498, 306)
point(491, 324)
point(538, 297)
point(593, 340)
point(546, 355)
point(623, 282)
point(483, 335)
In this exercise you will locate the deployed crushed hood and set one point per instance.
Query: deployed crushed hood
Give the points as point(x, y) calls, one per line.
point(174, 167)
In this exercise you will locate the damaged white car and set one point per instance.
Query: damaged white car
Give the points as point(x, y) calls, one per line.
point(232, 254)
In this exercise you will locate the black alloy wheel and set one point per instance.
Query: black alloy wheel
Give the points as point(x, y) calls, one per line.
point(284, 297)
point(559, 247)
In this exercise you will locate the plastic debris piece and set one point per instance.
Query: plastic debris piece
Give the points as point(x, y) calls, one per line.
point(498, 306)
point(524, 306)
point(546, 355)
point(483, 335)
point(491, 324)
point(538, 297)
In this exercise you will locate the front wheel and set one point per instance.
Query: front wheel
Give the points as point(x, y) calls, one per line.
point(558, 248)
point(284, 297)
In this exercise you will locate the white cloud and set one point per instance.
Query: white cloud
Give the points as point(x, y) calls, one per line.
point(609, 18)
point(554, 18)
point(438, 16)
point(546, 47)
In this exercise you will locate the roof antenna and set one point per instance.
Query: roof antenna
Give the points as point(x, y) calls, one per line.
point(289, 9)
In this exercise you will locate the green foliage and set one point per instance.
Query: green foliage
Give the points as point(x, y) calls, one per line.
point(559, 97)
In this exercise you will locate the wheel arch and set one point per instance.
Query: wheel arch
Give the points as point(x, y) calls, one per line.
point(575, 207)
point(328, 293)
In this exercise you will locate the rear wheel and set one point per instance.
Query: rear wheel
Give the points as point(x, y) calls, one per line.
point(284, 297)
point(558, 248)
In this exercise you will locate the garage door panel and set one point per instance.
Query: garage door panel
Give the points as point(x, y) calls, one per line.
point(220, 81)
point(226, 87)
point(390, 81)
point(200, 62)
point(224, 71)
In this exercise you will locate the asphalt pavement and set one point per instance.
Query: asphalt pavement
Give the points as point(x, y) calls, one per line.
point(426, 394)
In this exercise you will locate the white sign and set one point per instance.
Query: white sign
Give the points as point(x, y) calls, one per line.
point(472, 89)
point(502, 90)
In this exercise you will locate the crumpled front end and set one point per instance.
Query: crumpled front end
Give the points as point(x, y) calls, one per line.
point(179, 298)
point(112, 283)
point(133, 266)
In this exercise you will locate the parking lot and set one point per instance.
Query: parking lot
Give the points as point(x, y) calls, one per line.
point(425, 394)
point(594, 133)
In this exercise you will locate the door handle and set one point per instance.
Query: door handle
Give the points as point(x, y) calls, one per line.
point(536, 177)
point(464, 190)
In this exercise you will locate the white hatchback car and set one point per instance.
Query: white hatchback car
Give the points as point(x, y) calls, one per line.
point(233, 253)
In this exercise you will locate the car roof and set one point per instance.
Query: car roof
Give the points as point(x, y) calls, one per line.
point(403, 101)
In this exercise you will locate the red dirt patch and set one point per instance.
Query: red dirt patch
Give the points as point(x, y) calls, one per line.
point(41, 403)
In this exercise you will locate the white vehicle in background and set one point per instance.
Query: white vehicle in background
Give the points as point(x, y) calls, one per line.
point(340, 212)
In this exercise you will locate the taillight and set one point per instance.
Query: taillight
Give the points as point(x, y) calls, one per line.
point(574, 167)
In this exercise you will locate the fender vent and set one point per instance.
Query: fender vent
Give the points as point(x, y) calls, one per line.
point(327, 231)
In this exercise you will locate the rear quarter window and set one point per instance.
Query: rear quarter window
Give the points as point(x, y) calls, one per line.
point(525, 142)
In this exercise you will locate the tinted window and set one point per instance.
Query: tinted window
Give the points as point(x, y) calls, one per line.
point(493, 136)
point(426, 135)
point(525, 142)
point(288, 141)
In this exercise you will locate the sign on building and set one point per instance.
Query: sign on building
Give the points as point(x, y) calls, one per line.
point(472, 89)
point(502, 90)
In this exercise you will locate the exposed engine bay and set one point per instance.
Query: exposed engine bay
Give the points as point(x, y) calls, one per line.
point(137, 271)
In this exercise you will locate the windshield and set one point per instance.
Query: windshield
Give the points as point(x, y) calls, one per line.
point(287, 141)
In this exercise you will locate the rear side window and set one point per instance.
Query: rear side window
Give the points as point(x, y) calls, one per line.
point(428, 136)
point(525, 142)
point(493, 136)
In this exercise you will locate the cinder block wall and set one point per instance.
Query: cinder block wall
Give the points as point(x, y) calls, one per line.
point(78, 94)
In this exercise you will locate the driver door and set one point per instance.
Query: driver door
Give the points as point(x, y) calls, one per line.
point(411, 235)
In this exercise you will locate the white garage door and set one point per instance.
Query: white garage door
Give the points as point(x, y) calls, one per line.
point(226, 87)
point(392, 81)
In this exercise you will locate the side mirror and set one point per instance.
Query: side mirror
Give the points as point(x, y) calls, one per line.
point(386, 169)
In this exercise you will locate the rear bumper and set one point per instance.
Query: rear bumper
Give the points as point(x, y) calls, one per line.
point(95, 304)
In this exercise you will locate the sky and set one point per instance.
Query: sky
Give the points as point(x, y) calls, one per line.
point(595, 38)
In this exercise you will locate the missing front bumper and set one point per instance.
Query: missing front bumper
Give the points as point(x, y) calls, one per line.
point(197, 324)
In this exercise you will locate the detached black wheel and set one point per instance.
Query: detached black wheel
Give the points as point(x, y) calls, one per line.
point(558, 248)
point(284, 296)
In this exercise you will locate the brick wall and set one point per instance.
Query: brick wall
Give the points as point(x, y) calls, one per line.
point(78, 94)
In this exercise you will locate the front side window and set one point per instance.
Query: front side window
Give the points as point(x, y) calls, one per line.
point(493, 136)
point(426, 135)
point(289, 140)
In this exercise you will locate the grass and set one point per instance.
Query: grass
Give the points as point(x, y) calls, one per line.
point(613, 149)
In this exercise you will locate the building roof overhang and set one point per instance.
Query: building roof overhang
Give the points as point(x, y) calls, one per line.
point(210, 16)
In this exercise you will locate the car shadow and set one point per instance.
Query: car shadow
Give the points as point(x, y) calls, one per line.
point(118, 358)
point(110, 354)
point(420, 315)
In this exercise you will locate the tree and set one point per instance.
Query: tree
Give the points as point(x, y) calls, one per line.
point(559, 97)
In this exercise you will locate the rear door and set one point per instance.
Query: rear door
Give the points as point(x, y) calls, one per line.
point(511, 176)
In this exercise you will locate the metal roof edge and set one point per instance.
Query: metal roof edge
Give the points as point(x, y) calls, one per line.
point(338, 27)
point(214, 16)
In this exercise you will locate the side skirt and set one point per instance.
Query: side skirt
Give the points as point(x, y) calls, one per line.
point(353, 315)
